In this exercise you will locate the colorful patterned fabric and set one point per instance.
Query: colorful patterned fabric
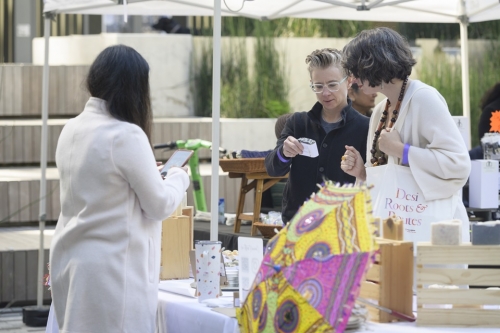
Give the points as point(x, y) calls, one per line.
point(312, 270)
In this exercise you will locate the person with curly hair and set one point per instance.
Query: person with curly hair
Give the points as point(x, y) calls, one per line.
point(332, 123)
point(428, 142)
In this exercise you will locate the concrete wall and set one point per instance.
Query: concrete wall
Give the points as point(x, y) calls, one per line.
point(169, 57)
point(293, 52)
point(24, 29)
point(250, 134)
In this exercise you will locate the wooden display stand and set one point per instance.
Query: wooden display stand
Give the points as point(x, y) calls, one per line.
point(252, 169)
point(261, 182)
point(458, 307)
point(389, 281)
point(176, 242)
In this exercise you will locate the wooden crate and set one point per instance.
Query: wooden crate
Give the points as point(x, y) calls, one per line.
point(458, 307)
point(176, 242)
point(389, 281)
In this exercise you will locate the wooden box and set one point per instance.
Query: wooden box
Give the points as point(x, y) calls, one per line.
point(267, 230)
point(389, 281)
point(243, 165)
point(176, 242)
point(463, 306)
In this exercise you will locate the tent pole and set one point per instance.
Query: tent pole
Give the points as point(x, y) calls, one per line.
point(43, 162)
point(214, 196)
point(464, 49)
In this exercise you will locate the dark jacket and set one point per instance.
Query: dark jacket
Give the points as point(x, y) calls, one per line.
point(306, 172)
point(484, 124)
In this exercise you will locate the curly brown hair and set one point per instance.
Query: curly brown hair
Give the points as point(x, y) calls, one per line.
point(378, 55)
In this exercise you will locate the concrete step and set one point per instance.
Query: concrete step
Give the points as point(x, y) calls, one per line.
point(20, 140)
point(20, 192)
point(21, 91)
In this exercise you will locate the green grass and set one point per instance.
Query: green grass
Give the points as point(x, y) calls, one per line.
point(261, 95)
point(289, 27)
point(202, 80)
point(446, 76)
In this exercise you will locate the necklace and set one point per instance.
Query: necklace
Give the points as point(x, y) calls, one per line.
point(381, 159)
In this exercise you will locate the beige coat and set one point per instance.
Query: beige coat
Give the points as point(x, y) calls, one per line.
point(105, 254)
point(438, 157)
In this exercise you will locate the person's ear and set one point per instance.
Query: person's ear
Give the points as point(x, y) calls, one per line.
point(350, 81)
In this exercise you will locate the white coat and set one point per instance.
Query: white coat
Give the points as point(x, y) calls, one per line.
point(105, 253)
point(438, 157)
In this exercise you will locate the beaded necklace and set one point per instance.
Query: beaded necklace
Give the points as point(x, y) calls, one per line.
point(382, 159)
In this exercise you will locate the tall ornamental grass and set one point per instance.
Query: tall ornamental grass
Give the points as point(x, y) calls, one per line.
point(445, 75)
point(264, 94)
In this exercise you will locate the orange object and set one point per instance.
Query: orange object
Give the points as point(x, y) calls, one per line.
point(495, 121)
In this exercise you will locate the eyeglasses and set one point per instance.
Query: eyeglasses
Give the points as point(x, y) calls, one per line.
point(332, 86)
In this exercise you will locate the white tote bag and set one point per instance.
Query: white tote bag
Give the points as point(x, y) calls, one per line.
point(395, 192)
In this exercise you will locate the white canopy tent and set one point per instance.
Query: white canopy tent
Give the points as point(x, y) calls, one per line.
point(421, 11)
point(437, 11)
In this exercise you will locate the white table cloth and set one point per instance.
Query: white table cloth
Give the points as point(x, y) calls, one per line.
point(177, 313)
point(412, 328)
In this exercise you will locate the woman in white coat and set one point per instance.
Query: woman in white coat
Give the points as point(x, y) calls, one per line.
point(428, 141)
point(105, 254)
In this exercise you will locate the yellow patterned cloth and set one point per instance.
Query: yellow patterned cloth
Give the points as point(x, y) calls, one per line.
point(312, 270)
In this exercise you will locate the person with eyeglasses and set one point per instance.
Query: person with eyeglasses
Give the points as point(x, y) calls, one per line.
point(332, 123)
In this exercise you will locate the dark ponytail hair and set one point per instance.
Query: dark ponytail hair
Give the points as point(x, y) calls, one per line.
point(490, 95)
point(120, 76)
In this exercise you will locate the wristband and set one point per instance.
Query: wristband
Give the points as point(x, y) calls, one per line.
point(406, 149)
point(282, 159)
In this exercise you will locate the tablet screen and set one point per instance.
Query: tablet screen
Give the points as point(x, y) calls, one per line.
point(178, 159)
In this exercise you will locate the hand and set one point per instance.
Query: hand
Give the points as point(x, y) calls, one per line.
point(352, 163)
point(159, 165)
point(390, 143)
point(292, 147)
